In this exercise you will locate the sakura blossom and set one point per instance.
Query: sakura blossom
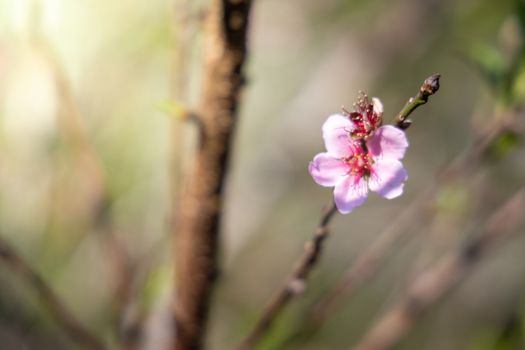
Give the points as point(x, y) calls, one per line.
point(360, 156)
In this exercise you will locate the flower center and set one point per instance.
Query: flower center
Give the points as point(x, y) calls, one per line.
point(362, 126)
point(359, 164)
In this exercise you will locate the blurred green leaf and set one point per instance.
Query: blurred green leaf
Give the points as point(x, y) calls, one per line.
point(453, 199)
point(507, 337)
point(520, 13)
point(173, 109)
point(510, 337)
point(518, 82)
point(513, 85)
point(484, 340)
point(489, 61)
point(503, 145)
point(159, 282)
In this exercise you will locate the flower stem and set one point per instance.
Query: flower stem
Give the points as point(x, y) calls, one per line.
point(295, 283)
point(430, 87)
point(372, 259)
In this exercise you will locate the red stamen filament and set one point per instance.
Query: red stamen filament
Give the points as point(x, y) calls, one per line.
point(359, 164)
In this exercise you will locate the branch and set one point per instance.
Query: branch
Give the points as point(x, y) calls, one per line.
point(75, 133)
point(295, 283)
point(199, 215)
point(430, 87)
point(71, 121)
point(438, 280)
point(371, 260)
point(313, 248)
point(74, 329)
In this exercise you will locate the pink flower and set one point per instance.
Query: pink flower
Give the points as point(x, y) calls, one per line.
point(353, 165)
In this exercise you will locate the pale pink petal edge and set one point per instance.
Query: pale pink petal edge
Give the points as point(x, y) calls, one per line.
point(326, 170)
point(388, 142)
point(388, 179)
point(336, 135)
point(349, 194)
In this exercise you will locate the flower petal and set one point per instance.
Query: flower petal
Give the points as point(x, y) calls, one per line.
point(336, 130)
point(326, 169)
point(378, 106)
point(387, 178)
point(388, 142)
point(350, 193)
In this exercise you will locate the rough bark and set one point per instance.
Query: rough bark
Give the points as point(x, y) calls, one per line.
point(198, 223)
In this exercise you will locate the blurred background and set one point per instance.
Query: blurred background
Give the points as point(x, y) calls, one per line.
point(92, 157)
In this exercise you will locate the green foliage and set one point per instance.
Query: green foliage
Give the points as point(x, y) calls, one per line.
point(158, 283)
point(517, 82)
point(520, 14)
point(489, 61)
point(509, 337)
point(173, 109)
point(503, 145)
point(453, 199)
point(504, 74)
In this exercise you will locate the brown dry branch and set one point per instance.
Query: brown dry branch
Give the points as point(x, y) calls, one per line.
point(295, 283)
point(312, 250)
point(128, 325)
point(431, 285)
point(77, 332)
point(369, 262)
point(71, 123)
point(74, 131)
point(199, 217)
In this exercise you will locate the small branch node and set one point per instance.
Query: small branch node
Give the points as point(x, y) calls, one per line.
point(321, 231)
point(309, 247)
point(405, 124)
point(430, 87)
point(296, 283)
point(296, 286)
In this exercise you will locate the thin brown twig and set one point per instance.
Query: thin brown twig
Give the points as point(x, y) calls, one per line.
point(76, 331)
point(74, 131)
point(295, 283)
point(369, 261)
point(297, 279)
point(431, 285)
point(71, 121)
point(201, 204)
